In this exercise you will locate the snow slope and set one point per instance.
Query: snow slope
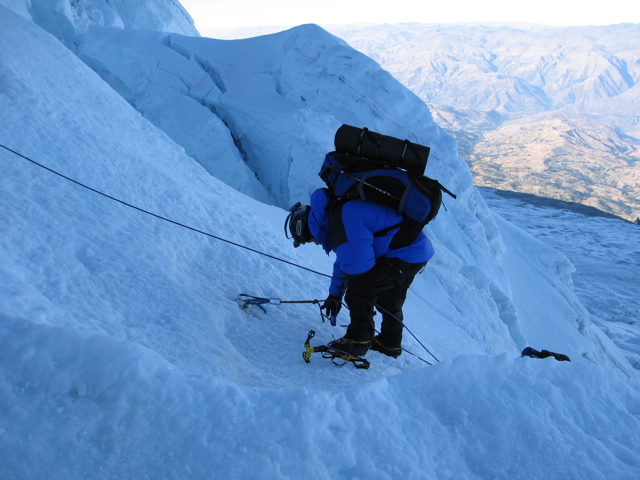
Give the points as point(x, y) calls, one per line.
point(68, 20)
point(123, 353)
point(606, 255)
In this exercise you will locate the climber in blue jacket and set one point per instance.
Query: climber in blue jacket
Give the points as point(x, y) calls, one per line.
point(366, 271)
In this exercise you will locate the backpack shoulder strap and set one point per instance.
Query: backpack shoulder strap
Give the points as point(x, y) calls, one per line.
point(336, 225)
point(384, 231)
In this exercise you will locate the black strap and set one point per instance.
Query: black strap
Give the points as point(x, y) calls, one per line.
point(445, 190)
point(384, 231)
point(363, 132)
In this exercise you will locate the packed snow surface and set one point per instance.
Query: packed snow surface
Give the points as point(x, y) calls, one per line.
point(123, 353)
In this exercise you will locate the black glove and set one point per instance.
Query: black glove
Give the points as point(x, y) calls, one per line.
point(332, 306)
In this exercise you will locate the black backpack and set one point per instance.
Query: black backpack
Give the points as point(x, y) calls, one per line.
point(387, 171)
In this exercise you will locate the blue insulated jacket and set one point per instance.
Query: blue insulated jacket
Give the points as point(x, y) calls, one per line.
point(351, 237)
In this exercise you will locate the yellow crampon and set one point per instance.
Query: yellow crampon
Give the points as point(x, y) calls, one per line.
point(333, 354)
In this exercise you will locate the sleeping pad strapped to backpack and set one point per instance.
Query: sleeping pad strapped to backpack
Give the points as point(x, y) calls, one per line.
point(381, 179)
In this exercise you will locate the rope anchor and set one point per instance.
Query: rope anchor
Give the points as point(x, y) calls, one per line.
point(244, 300)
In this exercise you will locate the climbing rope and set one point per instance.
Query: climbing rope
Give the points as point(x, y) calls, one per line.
point(404, 325)
point(244, 298)
point(161, 217)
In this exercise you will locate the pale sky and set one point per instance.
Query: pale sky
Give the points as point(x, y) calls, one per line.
point(219, 14)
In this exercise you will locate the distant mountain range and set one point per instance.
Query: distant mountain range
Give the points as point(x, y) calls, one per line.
point(548, 111)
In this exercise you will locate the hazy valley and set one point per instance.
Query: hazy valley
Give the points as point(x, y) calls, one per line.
point(547, 111)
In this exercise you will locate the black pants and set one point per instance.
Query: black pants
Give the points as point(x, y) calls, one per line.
point(385, 285)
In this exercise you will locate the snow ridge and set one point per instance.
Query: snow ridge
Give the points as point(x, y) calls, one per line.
point(123, 353)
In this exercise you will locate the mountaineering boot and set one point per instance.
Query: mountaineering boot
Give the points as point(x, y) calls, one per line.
point(357, 348)
point(379, 345)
